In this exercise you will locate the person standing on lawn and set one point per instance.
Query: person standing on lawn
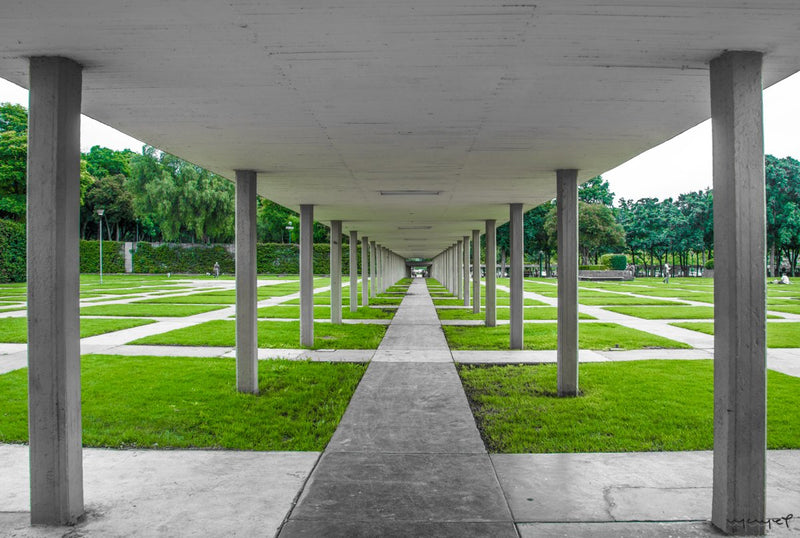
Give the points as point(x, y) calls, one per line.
point(666, 273)
point(216, 269)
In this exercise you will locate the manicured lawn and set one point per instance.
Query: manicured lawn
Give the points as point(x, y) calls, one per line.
point(177, 402)
point(623, 300)
point(220, 297)
point(785, 334)
point(152, 310)
point(625, 406)
point(668, 312)
point(791, 309)
point(15, 330)
point(539, 312)
point(544, 336)
point(322, 312)
point(272, 334)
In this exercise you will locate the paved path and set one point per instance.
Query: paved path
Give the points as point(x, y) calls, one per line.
point(407, 458)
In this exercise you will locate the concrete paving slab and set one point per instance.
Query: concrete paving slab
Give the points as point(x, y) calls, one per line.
point(165, 493)
point(636, 486)
point(408, 407)
point(335, 355)
point(414, 355)
point(13, 361)
point(369, 487)
point(396, 529)
point(650, 529)
point(162, 351)
point(520, 356)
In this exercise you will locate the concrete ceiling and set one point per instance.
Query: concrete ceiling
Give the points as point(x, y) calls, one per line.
point(333, 102)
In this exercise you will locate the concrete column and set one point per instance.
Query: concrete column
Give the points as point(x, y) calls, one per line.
point(739, 294)
point(567, 217)
point(465, 265)
point(381, 270)
point(365, 271)
point(353, 271)
point(336, 271)
point(373, 270)
point(306, 275)
point(458, 268)
point(54, 367)
point(476, 271)
point(246, 283)
point(491, 273)
point(515, 280)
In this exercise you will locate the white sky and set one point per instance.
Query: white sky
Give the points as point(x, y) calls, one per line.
point(680, 165)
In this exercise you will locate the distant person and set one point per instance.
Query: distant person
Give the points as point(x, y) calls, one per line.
point(666, 273)
point(785, 279)
point(216, 269)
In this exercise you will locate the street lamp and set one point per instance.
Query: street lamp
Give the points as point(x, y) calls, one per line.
point(290, 228)
point(100, 233)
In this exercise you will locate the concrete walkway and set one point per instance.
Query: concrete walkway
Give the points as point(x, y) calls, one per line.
point(407, 458)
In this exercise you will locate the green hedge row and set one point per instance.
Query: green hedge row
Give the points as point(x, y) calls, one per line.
point(12, 251)
point(113, 257)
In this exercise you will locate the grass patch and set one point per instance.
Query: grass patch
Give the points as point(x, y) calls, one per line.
point(791, 309)
point(671, 409)
point(176, 402)
point(272, 334)
point(778, 334)
point(15, 330)
point(152, 310)
point(671, 312)
point(322, 312)
point(222, 297)
point(539, 312)
point(544, 336)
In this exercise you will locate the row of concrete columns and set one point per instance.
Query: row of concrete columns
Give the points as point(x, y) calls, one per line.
point(740, 291)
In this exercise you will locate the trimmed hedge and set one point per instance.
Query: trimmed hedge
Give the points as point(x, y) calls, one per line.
point(12, 251)
point(592, 267)
point(198, 259)
point(113, 258)
point(616, 262)
point(710, 264)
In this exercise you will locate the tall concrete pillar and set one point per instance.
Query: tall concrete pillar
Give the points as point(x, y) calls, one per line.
point(306, 275)
point(459, 256)
point(373, 271)
point(353, 271)
point(465, 266)
point(246, 283)
point(365, 271)
point(567, 217)
point(739, 294)
point(476, 271)
point(336, 271)
point(515, 278)
point(54, 367)
point(491, 273)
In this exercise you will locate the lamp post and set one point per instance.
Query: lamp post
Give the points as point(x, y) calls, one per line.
point(100, 233)
point(541, 254)
point(290, 228)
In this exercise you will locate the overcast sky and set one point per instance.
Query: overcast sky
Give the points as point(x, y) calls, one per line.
point(680, 165)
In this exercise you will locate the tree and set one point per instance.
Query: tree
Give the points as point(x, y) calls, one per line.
point(598, 231)
point(783, 209)
point(110, 195)
point(102, 162)
point(596, 191)
point(13, 161)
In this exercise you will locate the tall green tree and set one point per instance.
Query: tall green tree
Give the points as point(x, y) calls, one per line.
point(596, 191)
point(13, 161)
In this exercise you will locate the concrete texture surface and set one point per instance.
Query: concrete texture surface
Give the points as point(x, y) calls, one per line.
point(165, 493)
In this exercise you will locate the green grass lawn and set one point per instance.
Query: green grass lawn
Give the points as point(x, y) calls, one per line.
point(669, 312)
point(612, 299)
point(539, 312)
point(784, 334)
point(272, 334)
point(544, 336)
point(153, 310)
point(625, 406)
point(15, 330)
point(177, 402)
point(223, 298)
point(791, 309)
point(323, 312)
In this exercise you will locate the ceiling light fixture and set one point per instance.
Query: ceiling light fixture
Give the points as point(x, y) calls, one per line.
point(410, 193)
point(414, 227)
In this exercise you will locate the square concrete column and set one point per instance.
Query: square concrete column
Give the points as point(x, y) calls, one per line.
point(306, 275)
point(567, 237)
point(54, 363)
point(458, 273)
point(246, 283)
point(491, 273)
point(353, 271)
point(373, 271)
point(476, 271)
point(365, 271)
point(336, 271)
point(739, 293)
point(515, 278)
point(465, 265)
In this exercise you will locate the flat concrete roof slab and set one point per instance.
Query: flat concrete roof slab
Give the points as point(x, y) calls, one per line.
point(410, 121)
